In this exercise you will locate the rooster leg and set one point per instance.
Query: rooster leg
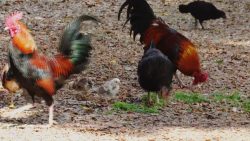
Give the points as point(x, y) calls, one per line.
point(12, 101)
point(51, 109)
point(179, 81)
point(201, 24)
point(33, 101)
point(195, 23)
point(149, 100)
point(157, 98)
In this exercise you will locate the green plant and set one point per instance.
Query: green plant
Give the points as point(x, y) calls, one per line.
point(233, 98)
point(190, 97)
point(131, 107)
point(246, 105)
point(219, 61)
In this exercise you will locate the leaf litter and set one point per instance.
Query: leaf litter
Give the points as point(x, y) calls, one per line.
point(224, 52)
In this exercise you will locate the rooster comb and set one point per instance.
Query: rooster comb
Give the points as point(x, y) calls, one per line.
point(12, 18)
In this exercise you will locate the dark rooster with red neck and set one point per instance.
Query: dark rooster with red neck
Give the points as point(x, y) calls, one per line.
point(180, 50)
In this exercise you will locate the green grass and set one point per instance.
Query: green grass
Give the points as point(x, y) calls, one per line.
point(140, 107)
point(233, 98)
point(131, 107)
point(190, 98)
point(246, 105)
point(219, 61)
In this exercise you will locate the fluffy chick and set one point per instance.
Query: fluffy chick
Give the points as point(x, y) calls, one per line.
point(111, 87)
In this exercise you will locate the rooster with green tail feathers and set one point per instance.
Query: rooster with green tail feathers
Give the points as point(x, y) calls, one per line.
point(39, 75)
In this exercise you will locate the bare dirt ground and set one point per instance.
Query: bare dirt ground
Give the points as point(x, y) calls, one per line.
point(83, 114)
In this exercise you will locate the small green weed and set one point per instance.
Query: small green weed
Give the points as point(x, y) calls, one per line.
point(131, 107)
point(246, 105)
point(190, 98)
point(141, 107)
point(233, 98)
point(219, 61)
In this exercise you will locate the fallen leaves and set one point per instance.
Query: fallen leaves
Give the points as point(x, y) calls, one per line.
point(223, 49)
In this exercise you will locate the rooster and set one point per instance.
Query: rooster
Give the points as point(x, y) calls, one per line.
point(155, 72)
point(202, 11)
point(180, 50)
point(39, 75)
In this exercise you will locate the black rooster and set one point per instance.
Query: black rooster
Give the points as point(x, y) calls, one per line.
point(155, 72)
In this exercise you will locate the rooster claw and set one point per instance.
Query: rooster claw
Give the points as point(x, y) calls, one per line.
point(51, 123)
point(12, 106)
point(183, 86)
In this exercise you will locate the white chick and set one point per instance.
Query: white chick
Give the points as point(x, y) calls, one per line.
point(111, 87)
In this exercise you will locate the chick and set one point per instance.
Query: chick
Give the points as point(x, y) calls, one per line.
point(10, 84)
point(110, 87)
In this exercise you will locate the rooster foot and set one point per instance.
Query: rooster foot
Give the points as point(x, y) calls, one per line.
point(34, 105)
point(183, 86)
point(180, 83)
point(150, 103)
point(149, 100)
point(51, 123)
point(12, 106)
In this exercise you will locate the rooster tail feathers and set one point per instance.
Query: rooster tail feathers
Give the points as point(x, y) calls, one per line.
point(140, 15)
point(183, 8)
point(80, 49)
point(122, 7)
point(74, 44)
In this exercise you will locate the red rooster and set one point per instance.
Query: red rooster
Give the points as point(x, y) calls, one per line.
point(180, 50)
point(35, 72)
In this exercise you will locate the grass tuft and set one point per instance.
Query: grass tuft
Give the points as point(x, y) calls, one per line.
point(141, 107)
point(219, 61)
point(190, 98)
point(131, 107)
point(233, 98)
point(246, 105)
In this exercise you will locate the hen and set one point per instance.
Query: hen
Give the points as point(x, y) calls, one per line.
point(39, 75)
point(155, 72)
point(202, 11)
point(180, 50)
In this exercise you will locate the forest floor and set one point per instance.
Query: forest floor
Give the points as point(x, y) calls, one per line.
point(84, 114)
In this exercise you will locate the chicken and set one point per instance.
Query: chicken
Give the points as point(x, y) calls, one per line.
point(155, 72)
point(110, 87)
point(202, 11)
point(39, 75)
point(180, 50)
point(9, 83)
